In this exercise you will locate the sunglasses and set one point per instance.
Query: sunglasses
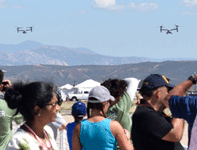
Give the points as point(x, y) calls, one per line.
point(59, 99)
point(53, 104)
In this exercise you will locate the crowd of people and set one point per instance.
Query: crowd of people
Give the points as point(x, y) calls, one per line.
point(109, 124)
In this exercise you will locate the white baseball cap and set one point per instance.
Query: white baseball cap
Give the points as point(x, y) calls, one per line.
point(101, 94)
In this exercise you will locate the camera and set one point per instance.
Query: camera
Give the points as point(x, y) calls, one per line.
point(4, 82)
point(4, 85)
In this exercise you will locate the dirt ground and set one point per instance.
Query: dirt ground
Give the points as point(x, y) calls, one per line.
point(69, 118)
point(184, 140)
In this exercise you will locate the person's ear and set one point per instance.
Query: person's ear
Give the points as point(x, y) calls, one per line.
point(37, 111)
point(156, 93)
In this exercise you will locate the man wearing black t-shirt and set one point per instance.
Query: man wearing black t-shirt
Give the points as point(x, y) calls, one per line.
point(152, 129)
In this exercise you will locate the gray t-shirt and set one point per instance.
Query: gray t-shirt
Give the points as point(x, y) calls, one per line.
point(59, 121)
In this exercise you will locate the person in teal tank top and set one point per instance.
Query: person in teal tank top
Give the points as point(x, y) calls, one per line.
point(93, 129)
point(99, 132)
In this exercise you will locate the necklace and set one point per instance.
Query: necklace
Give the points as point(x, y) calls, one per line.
point(38, 138)
point(150, 105)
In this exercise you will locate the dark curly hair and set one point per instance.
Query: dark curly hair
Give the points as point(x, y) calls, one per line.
point(24, 97)
point(117, 87)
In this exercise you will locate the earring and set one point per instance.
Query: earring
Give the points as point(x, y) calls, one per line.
point(38, 114)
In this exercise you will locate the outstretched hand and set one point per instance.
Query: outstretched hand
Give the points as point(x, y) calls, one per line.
point(9, 83)
point(127, 134)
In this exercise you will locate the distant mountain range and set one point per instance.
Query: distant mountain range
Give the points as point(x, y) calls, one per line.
point(31, 53)
point(177, 71)
point(33, 61)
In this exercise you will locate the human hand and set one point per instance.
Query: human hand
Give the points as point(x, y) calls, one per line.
point(127, 134)
point(196, 75)
point(6, 84)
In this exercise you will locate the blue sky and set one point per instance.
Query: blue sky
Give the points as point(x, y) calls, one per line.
point(108, 27)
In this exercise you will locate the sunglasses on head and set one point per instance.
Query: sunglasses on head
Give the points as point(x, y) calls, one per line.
point(59, 98)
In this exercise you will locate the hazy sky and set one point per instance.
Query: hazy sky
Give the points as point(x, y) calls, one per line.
point(108, 27)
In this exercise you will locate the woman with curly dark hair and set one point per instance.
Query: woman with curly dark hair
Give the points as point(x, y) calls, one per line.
point(124, 92)
point(117, 88)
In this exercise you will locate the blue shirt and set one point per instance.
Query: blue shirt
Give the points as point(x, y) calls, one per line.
point(97, 135)
point(70, 128)
point(184, 107)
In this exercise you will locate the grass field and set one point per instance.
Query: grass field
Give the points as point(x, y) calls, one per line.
point(67, 105)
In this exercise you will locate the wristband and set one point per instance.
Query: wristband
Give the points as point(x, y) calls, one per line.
point(193, 79)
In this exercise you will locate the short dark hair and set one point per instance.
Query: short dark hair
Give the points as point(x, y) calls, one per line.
point(26, 96)
point(147, 93)
point(78, 118)
point(117, 87)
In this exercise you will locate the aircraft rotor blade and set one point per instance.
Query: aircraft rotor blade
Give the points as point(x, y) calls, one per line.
point(176, 27)
point(161, 28)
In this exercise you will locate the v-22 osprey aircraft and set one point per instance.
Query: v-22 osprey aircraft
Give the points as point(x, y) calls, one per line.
point(169, 31)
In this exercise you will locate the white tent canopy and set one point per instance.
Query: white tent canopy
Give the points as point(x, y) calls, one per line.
point(66, 86)
point(88, 83)
point(79, 88)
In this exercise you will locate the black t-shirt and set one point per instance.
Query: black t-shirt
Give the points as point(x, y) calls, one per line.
point(148, 129)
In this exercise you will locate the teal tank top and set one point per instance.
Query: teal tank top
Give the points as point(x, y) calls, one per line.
point(97, 135)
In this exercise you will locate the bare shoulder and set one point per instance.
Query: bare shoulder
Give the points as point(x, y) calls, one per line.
point(77, 128)
point(115, 127)
point(114, 123)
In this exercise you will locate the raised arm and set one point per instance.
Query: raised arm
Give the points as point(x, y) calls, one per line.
point(176, 132)
point(132, 86)
point(180, 90)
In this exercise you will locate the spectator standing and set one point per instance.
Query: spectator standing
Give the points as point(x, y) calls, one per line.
point(184, 106)
point(78, 113)
point(59, 123)
point(6, 116)
point(152, 129)
point(123, 91)
point(38, 104)
point(99, 132)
